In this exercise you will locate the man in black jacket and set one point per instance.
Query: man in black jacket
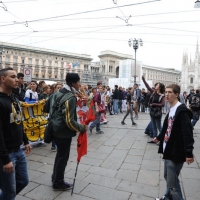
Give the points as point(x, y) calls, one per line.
point(176, 142)
point(115, 100)
point(13, 166)
point(20, 91)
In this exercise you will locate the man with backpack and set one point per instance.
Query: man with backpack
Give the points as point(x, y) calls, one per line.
point(65, 126)
point(195, 107)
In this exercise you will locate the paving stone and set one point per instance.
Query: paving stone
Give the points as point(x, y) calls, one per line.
point(133, 159)
point(41, 151)
point(96, 144)
point(34, 165)
point(130, 166)
point(124, 145)
point(190, 173)
point(46, 168)
point(140, 189)
point(103, 171)
point(103, 193)
point(118, 153)
point(112, 162)
point(91, 161)
point(97, 155)
point(28, 188)
point(79, 185)
point(136, 152)
point(19, 197)
point(35, 157)
point(67, 195)
point(43, 192)
point(152, 154)
point(102, 180)
point(139, 197)
point(81, 166)
point(148, 177)
point(128, 175)
point(105, 149)
point(139, 145)
point(111, 142)
point(150, 165)
point(47, 160)
point(44, 179)
point(80, 174)
point(34, 174)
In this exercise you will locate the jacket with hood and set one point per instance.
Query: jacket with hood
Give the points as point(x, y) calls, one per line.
point(11, 129)
point(116, 94)
point(195, 103)
point(180, 144)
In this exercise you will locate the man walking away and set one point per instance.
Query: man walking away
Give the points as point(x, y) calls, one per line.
point(13, 166)
point(20, 91)
point(129, 107)
point(115, 100)
point(136, 98)
point(195, 107)
point(65, 126)
point(176, 142)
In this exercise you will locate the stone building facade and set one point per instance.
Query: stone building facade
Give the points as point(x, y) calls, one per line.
point(45, 64)
point(190, 78)
point(163, 75)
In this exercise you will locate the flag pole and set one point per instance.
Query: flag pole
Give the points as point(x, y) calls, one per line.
point(74, 178)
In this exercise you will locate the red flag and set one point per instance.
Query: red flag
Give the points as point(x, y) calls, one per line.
point(91, 113)
point(81, 145)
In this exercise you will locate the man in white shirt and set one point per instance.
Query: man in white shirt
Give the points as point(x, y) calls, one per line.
point(176, 142)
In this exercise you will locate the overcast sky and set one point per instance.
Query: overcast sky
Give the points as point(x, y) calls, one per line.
point(167, 27)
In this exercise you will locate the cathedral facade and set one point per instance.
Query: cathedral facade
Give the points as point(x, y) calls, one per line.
point(190, 76)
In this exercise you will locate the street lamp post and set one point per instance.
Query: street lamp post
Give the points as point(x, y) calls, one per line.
point(1, 56)
point(135, 44)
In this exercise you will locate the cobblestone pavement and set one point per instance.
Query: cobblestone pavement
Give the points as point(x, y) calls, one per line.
point(120, 165)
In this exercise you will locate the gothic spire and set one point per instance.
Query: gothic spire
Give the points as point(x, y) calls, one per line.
point(197, 47)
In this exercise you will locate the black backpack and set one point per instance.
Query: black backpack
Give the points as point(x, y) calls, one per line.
point(195, 102)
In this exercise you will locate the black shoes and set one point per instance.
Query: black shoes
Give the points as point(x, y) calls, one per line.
point(62, 186)
point(134, 124)
point(123, 123)
point(151, 141)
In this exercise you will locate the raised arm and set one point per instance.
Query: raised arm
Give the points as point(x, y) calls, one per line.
point(147, 85)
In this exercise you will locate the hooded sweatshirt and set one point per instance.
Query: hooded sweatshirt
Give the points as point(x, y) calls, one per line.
point(11, 128)
point(180, 143)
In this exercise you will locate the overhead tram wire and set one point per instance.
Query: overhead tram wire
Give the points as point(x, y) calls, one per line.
point(77, 34)
point(84, 12)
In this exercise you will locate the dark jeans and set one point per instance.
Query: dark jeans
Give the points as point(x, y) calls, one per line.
point(195, 117)
point(62, 156)
point(149, 129)
point(127, 113)
point(171, 173)
point(96, 122)
point(120, 105)
point(156, 126)
point(13, 183)
point(53, 144)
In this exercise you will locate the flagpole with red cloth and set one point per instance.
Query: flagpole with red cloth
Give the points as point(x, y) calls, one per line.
point(85, 118)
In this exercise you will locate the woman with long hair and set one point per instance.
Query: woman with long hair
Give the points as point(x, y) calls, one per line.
point(156, 102)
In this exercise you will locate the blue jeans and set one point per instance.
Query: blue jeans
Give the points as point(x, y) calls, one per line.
point(115, 106)
point(171, 173)
point(13, 183)
point(96, 122)
point(149, 129)
point(195, 117)
point(156, 126)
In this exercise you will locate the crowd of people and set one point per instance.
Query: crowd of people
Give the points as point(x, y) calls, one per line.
point(175, 137)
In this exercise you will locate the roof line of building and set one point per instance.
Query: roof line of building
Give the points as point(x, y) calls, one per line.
point(43, 50)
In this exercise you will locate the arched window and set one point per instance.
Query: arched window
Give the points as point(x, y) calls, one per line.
point(191, 80)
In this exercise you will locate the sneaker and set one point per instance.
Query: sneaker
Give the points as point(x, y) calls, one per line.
point(134, 124)
point(100, 132)
point(123, 123)
point(163, 198)
point(111, 114)
point(53, 149)
point(136, 117)
point(62, 186)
